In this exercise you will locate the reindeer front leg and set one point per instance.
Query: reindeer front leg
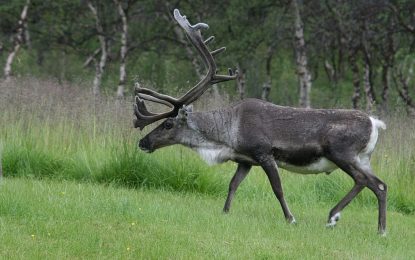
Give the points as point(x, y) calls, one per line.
point(271, 169)
point(239, 176)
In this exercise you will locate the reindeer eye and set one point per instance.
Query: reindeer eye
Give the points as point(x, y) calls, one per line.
point(168, 125)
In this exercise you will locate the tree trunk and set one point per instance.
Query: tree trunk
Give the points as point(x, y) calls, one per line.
point(303, 73)
point(266, 88)
point(9, 61)
point(370, 100)
point(385, 89)
point(331, 72)
point(356, 80)
point(240, 82)
point(404, 90)
point(404, 94)
point(356, 86)
point(368, 88)
point(18, 40)
point(368, 74)
point(388, 62)
point(123, 51)
point(99, 66)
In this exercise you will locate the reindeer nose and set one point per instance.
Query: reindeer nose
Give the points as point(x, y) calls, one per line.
point(144, 145)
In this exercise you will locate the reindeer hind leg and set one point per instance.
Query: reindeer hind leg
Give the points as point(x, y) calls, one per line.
point(363, 176)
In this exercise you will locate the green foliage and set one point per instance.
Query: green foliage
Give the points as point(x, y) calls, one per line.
point(63, 36)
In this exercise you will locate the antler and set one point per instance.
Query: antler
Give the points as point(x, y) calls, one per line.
point(144, 117)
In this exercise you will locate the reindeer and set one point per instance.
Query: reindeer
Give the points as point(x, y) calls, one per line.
point(257, 133)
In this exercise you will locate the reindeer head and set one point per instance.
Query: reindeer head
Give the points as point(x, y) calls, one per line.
point(172, 129)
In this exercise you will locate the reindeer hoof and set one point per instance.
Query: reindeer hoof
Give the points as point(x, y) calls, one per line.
point(333, 220)
point(382, 233)
point(292, 221)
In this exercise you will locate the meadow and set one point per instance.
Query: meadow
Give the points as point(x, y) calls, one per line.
point(76, 186)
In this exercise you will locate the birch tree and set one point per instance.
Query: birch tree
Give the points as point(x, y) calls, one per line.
point(99, 65)
point(17, 41)
point(403, 84)
point(123, 49)
point(304, 76)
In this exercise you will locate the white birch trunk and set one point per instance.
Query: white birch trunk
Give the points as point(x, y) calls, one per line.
point(123, 50)
point(303, 73)
point(99, 66)
point(18, 39)
point(9, 62)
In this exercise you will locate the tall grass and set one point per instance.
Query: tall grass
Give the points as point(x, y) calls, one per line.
point(49, 130)
point(59, 131)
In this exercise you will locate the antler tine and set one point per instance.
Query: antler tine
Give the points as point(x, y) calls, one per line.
point(144, 117)
point(215, 52)
point(149, 92)
point(209, 40)
point(156, 100)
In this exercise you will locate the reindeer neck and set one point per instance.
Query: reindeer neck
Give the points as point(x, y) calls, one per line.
point(217, 126)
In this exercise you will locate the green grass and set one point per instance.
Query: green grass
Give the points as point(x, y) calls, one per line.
point(70, 220)
point(75, 180)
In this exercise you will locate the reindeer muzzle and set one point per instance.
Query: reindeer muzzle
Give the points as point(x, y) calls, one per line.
point(145, 145)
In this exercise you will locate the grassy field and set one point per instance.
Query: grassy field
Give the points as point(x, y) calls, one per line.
point(50, 219)
point(76, 186)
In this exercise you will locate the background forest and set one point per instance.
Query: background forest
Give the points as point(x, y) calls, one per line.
point(308, 53)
